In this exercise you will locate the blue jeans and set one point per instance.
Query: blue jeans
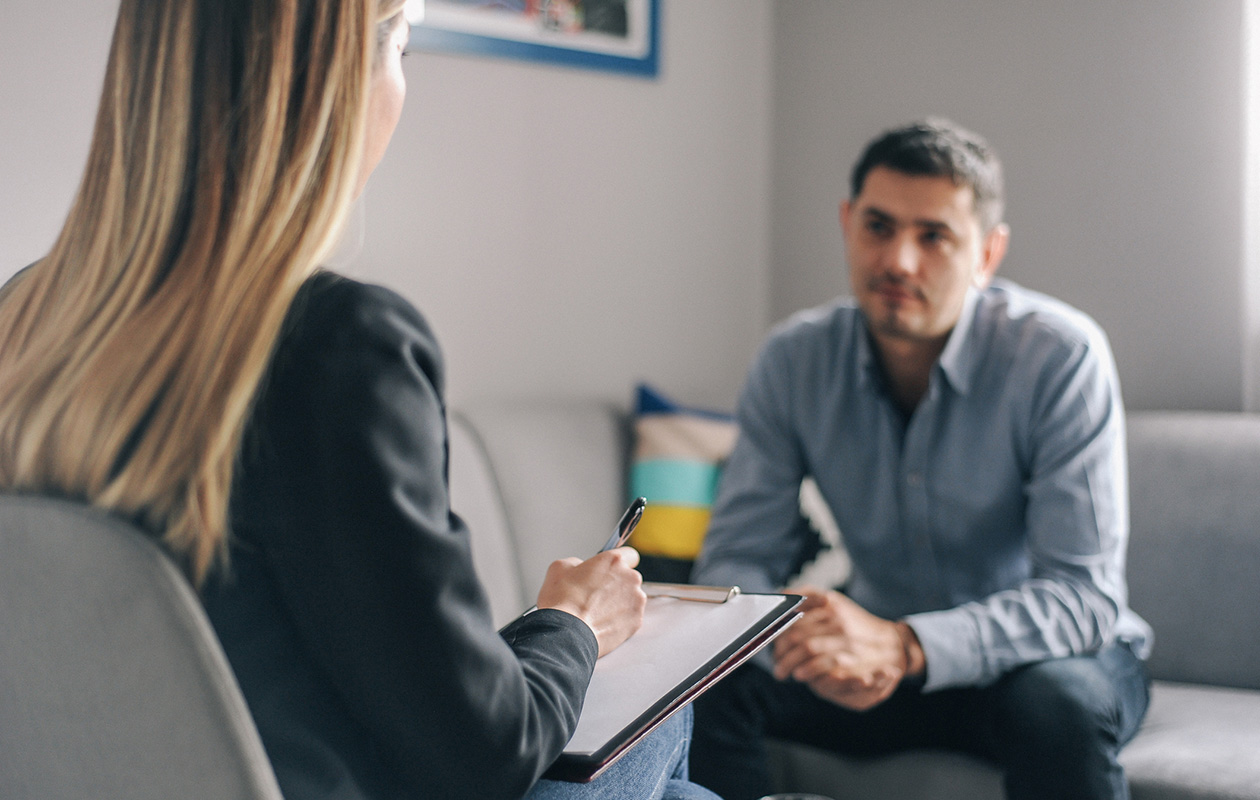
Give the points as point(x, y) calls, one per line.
point(1054, 727)
point(654, 769)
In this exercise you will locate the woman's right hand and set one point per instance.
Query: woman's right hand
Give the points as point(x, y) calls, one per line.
point(604, 591)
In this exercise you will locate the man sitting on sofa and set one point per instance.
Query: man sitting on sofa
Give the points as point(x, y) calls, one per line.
point(969, 438)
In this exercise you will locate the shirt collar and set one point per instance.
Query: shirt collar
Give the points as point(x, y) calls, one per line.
point(957, 360)
point(961, 353)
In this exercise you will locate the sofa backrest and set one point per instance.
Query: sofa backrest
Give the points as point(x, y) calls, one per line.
point(1194, 549)
point(475, 497)
point(558, 473)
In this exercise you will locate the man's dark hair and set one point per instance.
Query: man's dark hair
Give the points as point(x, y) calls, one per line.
point(940, 149)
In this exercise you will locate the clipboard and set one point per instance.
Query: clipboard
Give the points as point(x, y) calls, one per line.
point(685, 646)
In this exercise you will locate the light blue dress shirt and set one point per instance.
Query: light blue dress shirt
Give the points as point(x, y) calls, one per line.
point(994, 519)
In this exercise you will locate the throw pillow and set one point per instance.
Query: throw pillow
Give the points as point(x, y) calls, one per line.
point(677, 461)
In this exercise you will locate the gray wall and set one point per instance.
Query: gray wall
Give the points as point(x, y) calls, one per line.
point(51, 65)
point(569, 232)
point(1120, 124)
point(565, 231)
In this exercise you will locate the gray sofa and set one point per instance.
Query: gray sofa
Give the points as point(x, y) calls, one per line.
point(537, 481)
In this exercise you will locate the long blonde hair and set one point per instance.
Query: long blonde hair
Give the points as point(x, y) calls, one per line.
point(225, 155)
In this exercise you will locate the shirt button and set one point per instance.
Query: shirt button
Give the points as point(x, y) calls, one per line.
point(914, 479)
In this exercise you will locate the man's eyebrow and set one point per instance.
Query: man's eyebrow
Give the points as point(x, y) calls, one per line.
point(879, 215)
point(875, 213)
point(934, 225)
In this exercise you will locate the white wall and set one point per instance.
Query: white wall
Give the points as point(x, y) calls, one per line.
point(1120, 125)
point(565, 231)
point(570, 231)
point(51, 67)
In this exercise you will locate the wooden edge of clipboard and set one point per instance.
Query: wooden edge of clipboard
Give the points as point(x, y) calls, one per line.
point(587, 767)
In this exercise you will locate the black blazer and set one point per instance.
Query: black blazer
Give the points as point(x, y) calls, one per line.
point(349, 611)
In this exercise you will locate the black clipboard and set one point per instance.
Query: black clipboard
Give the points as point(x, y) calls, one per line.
point(741, 625)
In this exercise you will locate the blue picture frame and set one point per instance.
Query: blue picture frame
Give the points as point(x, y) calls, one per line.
point(514, 29)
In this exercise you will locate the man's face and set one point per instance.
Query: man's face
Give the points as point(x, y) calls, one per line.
point(914, 247)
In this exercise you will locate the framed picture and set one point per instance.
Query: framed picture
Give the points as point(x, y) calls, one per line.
point(616, 35)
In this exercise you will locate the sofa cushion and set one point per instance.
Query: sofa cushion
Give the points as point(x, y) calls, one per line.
point(1196, 742)
point(934, 774)
point(1194, 550)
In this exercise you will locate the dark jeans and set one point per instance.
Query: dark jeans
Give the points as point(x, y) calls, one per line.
point(1055, 727)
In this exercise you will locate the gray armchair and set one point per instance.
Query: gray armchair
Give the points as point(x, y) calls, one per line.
point(112, 683)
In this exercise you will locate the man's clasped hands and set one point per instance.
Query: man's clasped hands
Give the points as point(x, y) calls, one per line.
point(844, 653)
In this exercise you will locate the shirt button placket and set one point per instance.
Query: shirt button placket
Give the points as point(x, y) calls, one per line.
point(914, 503)
point(916, 508)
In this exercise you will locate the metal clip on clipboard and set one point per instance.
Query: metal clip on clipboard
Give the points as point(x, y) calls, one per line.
point(686, 591)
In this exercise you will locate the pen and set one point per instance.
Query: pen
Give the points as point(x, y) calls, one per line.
point(625, 527)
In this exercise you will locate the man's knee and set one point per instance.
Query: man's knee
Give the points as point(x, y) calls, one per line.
point(735, 706)
point(1060, 705)
point(728, 752)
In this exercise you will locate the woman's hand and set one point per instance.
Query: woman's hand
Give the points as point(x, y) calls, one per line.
point(605, 592)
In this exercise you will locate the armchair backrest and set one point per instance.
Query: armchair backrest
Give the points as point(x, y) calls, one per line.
point(112, 682)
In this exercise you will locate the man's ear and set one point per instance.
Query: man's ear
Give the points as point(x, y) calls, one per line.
point(845, 207)
point(993, 250)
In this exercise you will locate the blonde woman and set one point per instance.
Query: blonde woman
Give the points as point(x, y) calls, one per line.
point(178, 359)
